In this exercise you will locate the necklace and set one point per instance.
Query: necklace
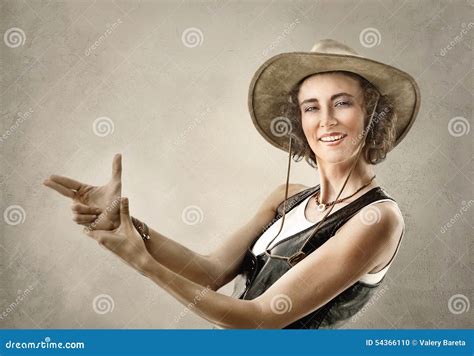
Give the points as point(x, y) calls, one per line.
point(321, 207)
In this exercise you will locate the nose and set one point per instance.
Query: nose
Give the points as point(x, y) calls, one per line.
point(327, 118)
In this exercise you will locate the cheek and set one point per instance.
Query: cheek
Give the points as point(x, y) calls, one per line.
point(308, 124)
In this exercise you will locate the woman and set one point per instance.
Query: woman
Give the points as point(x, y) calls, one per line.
point(321, 265)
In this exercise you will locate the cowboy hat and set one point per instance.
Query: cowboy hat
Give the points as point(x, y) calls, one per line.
point(273, 81)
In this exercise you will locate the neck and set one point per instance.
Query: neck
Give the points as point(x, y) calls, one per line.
point(333, 175)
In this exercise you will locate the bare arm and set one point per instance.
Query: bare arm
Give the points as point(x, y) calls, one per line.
point(220, 266)
point(354, 251)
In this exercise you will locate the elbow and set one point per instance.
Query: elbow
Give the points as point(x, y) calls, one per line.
point(250, 314)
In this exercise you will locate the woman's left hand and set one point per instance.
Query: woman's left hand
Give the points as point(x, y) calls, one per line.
point(125, 241)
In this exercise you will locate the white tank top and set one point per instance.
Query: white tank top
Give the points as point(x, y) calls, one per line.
point(295, 221)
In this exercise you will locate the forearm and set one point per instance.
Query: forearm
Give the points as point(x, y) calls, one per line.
point(219, 309)
point(183, 261)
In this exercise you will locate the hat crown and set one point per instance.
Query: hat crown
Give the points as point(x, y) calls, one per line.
point(329, 46)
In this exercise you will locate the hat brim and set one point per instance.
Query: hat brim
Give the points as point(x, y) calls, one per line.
point(271, 83)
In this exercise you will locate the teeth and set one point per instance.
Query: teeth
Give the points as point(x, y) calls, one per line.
point(331, 138)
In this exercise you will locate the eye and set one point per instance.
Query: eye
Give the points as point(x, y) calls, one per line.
point(310, 108)
point(345, 103)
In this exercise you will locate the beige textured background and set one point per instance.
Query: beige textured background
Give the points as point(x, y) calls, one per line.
point(179, 116)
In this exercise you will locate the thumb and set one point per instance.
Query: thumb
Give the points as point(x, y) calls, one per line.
point(117, 167)
point(125, 212)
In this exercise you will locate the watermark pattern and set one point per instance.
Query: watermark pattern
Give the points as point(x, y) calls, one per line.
point(191, 305)
point(281, 304)
point(196, 121)
point(110, 29)
point(192, 215)
point(103, 126)
point(115, 203)
point(14, 215)
point(370, 37)
point(377, 295)
point(370, 216)
point(375, 120)
point(103, 304)
point(12, 306)
point(281, 126)
point(458, 304)
point(22, 117)
point(192, 37)
point(275, 43)
point(14, 37)
point(465, 207)
point(458, 126)
point(457, 39)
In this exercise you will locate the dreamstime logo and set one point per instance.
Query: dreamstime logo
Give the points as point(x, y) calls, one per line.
point(288, 29)
point(281, 304)
point(14, 215)
point(465, 207)
point(371, 302)
point(12, 306)
point(375, 120)
point(14, 37)
point(458, 126)
point(192, 37)
point(115, 203)
point(281, 126)
point(196, 121)
point(370, 37)
point(370, 216)
point(103, 304)
point(192, 305)
point(110, 29)
point(457, 39)
point(458, 304)
point(192, 215)
point(103, 126)
point(21, 118)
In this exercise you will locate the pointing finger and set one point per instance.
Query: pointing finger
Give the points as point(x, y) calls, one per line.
point(84, 218)
point(66, 182)
point(84, 209)
point(59, 188)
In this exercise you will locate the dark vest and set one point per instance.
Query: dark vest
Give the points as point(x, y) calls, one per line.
point(258, 273)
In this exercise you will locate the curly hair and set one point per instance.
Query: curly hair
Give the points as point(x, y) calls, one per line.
point(380, 137)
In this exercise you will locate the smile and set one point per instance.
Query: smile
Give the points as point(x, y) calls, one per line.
point(332, 140)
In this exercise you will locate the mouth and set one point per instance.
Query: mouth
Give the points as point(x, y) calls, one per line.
point(332, 140)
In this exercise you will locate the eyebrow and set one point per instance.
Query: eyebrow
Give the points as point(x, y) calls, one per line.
point(310, 100)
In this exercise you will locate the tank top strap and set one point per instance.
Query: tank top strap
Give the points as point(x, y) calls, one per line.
point(335, 221)
point(294, 200)
point(372, 196)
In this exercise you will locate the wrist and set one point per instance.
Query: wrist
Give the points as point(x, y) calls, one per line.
point(146, 264)
point(141, 228)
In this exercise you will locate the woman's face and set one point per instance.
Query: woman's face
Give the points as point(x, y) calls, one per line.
point(332, 104)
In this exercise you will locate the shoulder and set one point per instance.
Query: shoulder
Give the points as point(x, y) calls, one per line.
point(277, 195)
point(374, 228)
point(279, 192)
point(384, 212)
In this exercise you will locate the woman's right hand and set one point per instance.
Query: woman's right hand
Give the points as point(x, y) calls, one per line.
point(97, 207)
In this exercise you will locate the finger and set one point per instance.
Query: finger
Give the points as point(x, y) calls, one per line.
point(84, 218)
point(125, 211)
point(66, 182)
point(84, 209)
point(117, 167)
point(59, 188)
